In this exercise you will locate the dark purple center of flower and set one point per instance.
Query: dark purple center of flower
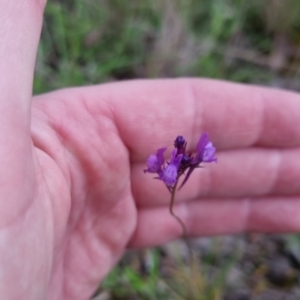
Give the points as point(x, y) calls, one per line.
point(185, 159)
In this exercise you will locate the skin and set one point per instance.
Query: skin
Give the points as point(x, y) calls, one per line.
point(73, 196)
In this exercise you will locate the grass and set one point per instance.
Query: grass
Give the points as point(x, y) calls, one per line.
point(150, 275)
point(87, 42)
point(94, 41)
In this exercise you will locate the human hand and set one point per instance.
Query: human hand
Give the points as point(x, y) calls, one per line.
point(73, 194)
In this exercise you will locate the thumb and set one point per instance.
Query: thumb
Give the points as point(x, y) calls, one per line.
point(21, 23)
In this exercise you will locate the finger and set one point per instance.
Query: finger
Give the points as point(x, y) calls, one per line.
point(217, 216)
point(150, 114)
point(238, 173)
point(20, 31)
point(21, 23)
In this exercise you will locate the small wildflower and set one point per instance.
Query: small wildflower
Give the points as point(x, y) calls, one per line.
point(180, 160)
point(180, 163)
point(170, 174)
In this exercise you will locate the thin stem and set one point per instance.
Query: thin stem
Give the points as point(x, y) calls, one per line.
point(185, 236)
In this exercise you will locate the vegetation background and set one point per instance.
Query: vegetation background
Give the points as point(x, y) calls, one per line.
point(92, 41)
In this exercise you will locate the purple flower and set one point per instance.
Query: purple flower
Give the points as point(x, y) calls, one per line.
point(156, 162)
point(205, 153)
point(180, 161)
point(169, 174)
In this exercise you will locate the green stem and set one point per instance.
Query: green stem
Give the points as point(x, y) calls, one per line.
point(185, 236)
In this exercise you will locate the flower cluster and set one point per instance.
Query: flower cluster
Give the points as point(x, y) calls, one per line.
point(180, 161)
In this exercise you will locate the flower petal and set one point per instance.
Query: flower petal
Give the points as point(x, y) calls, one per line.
point(209, 153)
point(169, 175)
point(160, 155)
point(155, 162)
point(203, 141)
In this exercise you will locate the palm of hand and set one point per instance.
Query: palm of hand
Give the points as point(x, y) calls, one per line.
point(91, 200)
point(87, 210)
point(88, 199)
